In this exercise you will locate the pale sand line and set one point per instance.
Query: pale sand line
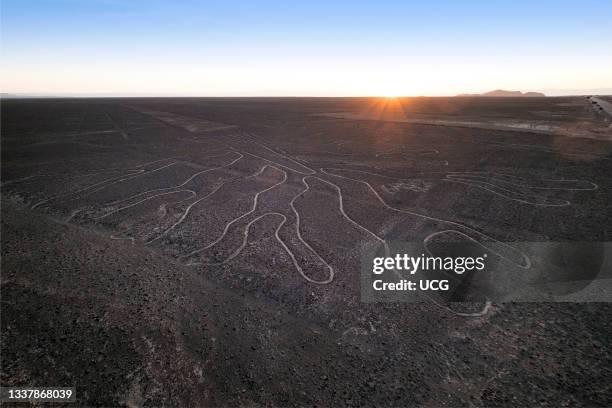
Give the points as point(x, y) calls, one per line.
point(81, 189)
point(278, 164)
point(123, 238)
point(483, 185)
point(343, 212)
point(559, 151)
point(111, 181)
point(402, 150)
point(252, 210)
point(478, 174)
point(457, 178)
point(278, 238)
point(22, 179)
point(299, 235)
point(194, 194)
point(96, 172)
point(187, 210)
point(546, 129)
point(527, 261)
point(254, 140)
point(128, 178)
point(387, 252)
point(118, 128)
point(190, 178)
point(197, 125)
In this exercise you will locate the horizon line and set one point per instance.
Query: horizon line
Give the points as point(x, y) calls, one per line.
point(546, 92)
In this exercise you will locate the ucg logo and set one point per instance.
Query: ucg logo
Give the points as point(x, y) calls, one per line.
point(433, 284)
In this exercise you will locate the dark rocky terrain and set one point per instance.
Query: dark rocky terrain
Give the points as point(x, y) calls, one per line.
point(206, 252)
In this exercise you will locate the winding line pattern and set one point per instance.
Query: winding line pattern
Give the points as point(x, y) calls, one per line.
point(507, 186)
point(460, 227)
point(251, 211)
point(190, 178)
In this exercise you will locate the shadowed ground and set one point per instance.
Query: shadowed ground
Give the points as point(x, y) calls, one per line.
point(207, 251)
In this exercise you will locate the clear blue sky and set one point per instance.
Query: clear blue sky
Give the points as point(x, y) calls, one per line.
point(311, 48)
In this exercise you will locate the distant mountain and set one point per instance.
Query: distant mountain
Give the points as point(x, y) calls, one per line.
point(5, 95)
point(502, 92)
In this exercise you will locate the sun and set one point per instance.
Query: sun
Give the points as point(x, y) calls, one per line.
point(386, 108)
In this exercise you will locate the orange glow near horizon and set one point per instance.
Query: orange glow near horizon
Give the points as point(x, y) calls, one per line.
point(386, 111)
point(386, 108)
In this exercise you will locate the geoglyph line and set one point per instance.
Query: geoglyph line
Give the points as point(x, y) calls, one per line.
point(23, 179)
point(81, 189)
point(123, 238)
point(186, 212)
point(188, 209)
point(527, 261)
point(190, 178)
point(193, 194)
point(478, 175)
point(110, 181)
point(497, 190)
point(310, 171)
point(343, 212)
point(407, 151)
point(96, 172)
point(300, 237)
point(118, 128)
point(246, 232)
point(130, 178)
point(251, 211)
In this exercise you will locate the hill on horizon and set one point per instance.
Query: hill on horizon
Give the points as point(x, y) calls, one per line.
point(502, 92)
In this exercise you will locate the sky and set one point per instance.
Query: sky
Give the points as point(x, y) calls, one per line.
point(308, 48)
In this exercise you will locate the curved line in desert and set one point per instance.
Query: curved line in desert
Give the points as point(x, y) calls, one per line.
point(433, 234)
point(385, 176)
point(295, 262)
point(188, 209)
point(140, 172)
point(482, 175)
point(343, 212)
point(186, 212)
point(407, 151)
point(73, 214)
point(130, 178)
point(245, 237)
point(123, 238)
point(527, 261)
point(286, 156)
point(280, 240)
point(252, 210)
point(110, 181)
point(280, 165)
point(598, 156)
point(193, 194)
point(484, 311)
point(387, 250)
point(96, 172)
point(482, 184)
point(22, 179)
point(107, 171)
point(299, 235)
point(158, 160)
point(190, 178)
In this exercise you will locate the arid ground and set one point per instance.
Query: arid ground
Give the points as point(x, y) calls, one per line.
point(206, 252)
